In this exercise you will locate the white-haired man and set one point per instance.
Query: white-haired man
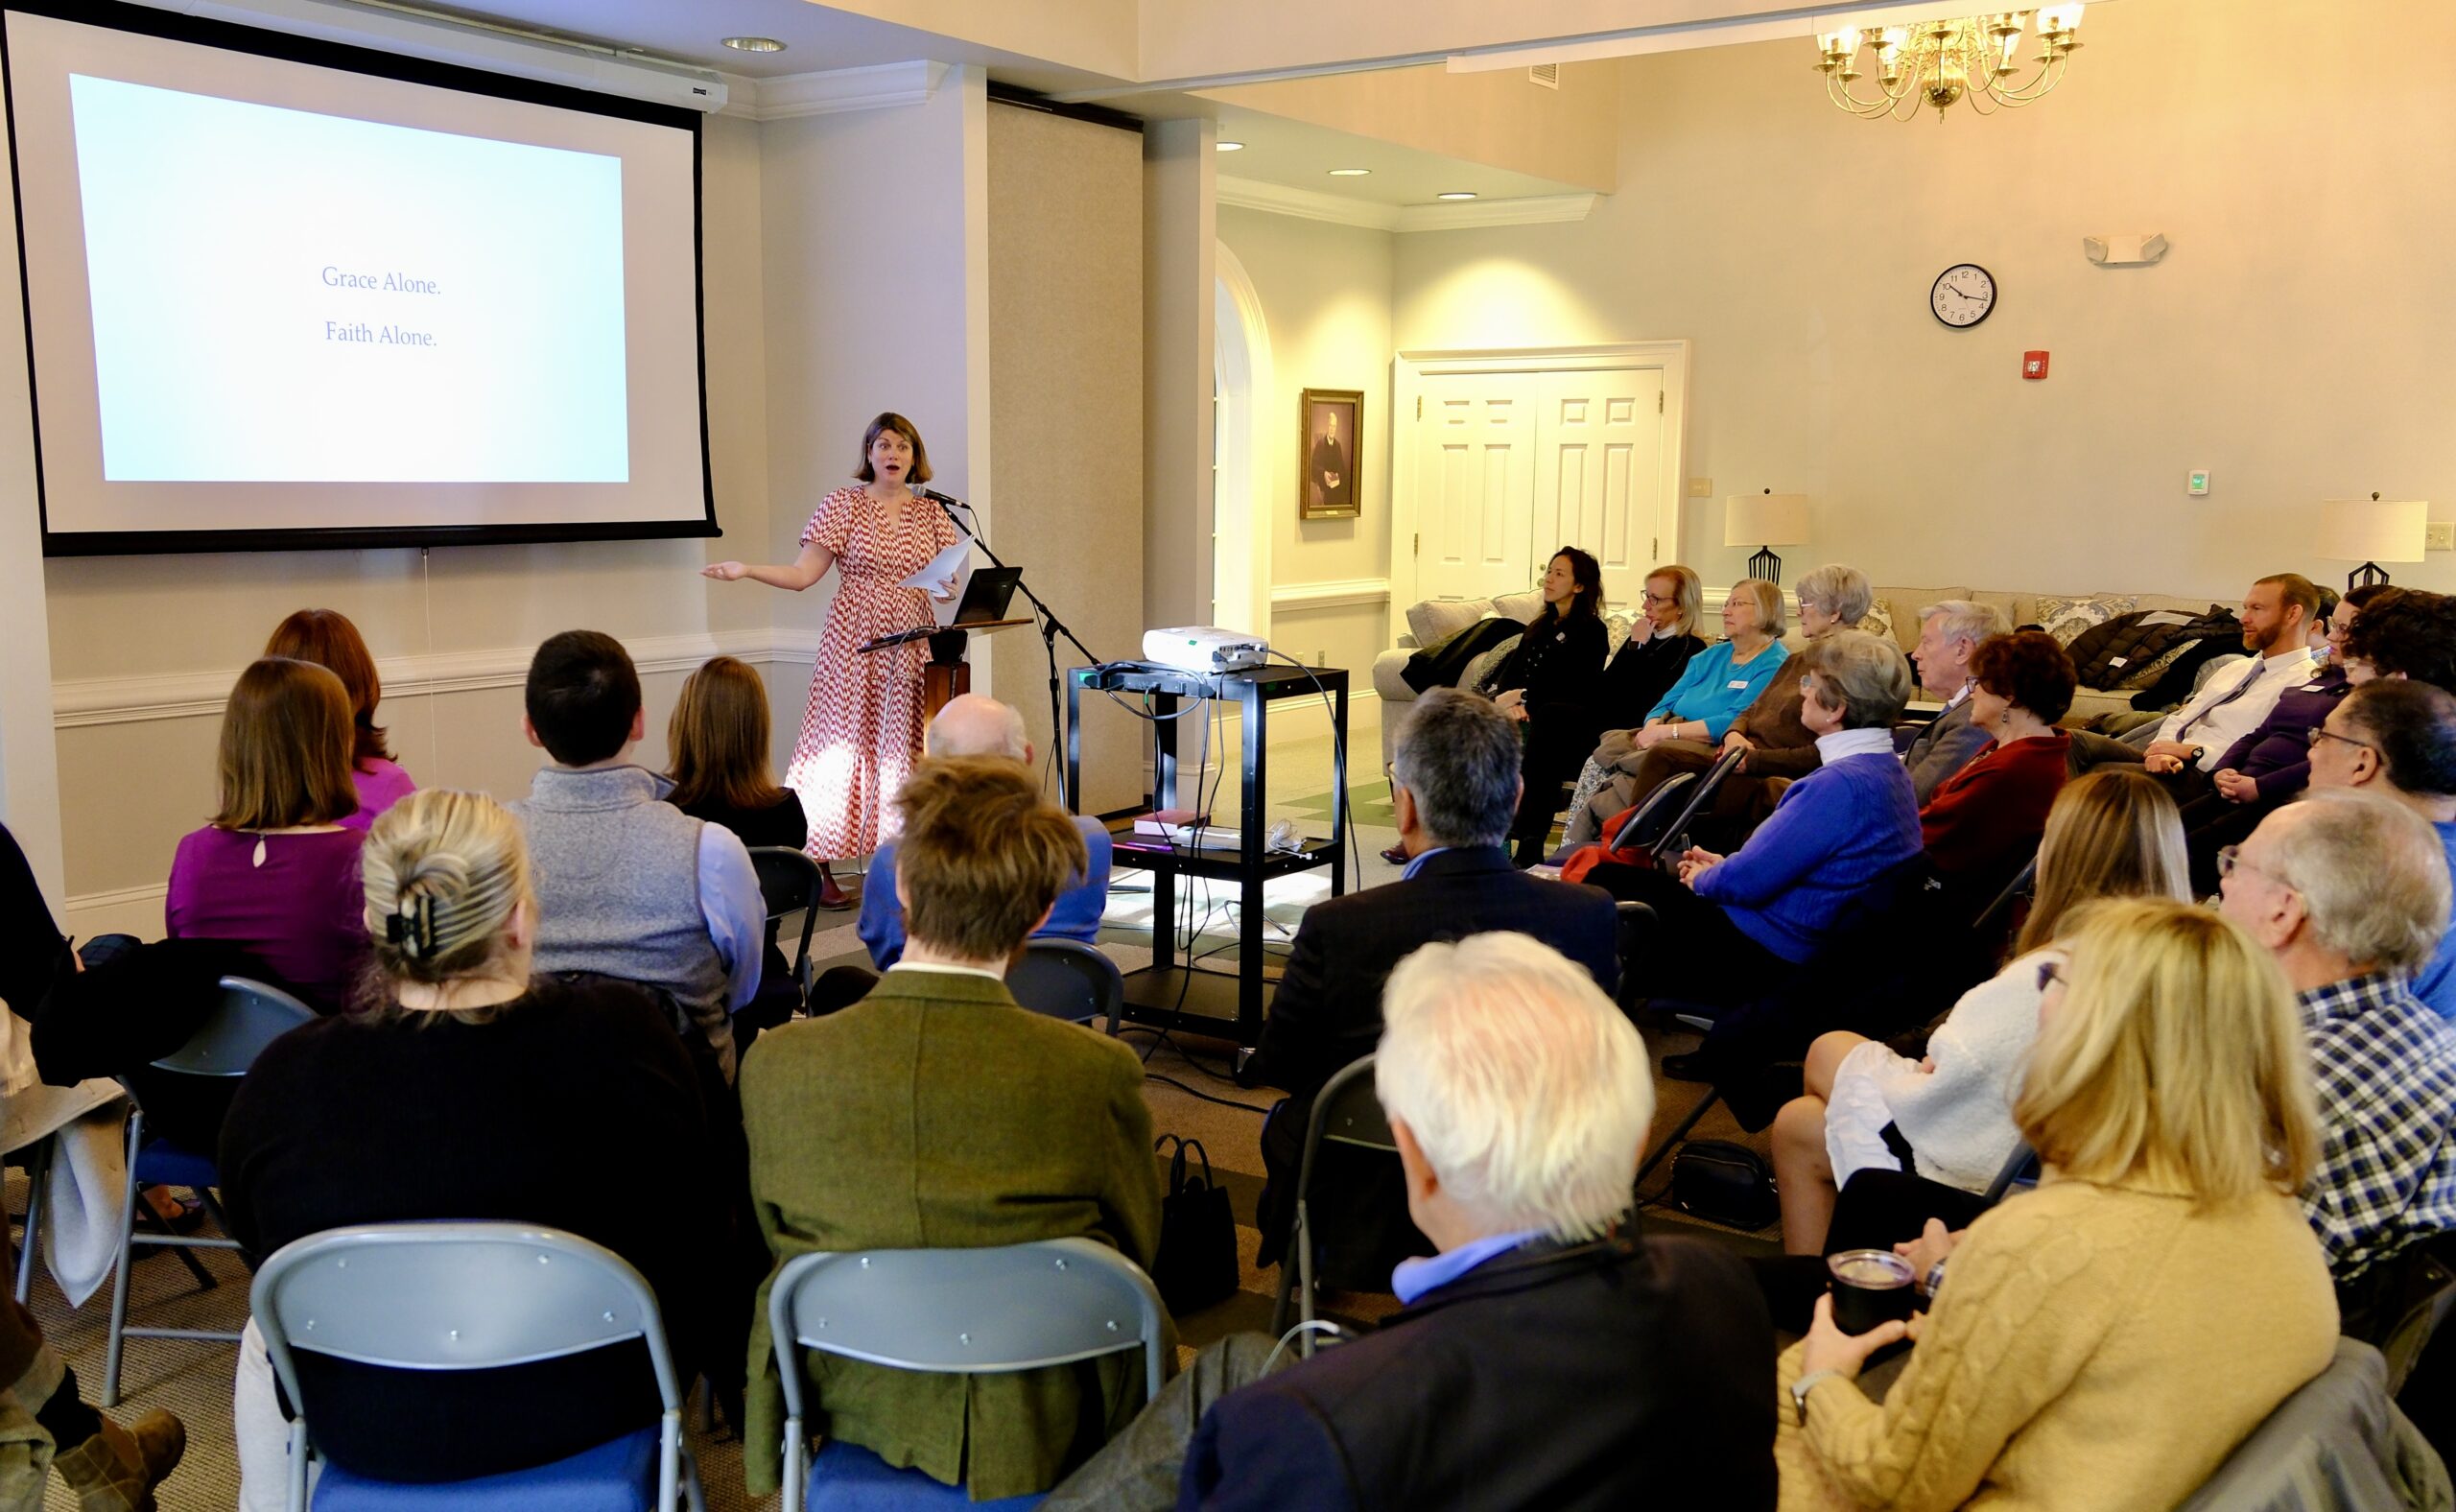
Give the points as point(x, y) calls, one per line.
point(1532, 1364)
point(1948, 636)
point(2350, 892)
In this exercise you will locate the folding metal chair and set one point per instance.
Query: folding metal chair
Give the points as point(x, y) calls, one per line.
point(961, 1312)
point(791, 882)
point(1674, 838)
point(470, 1296)
point(247, 1017)
point(1068, 980)
point(1646, 821)
point(1346, 1111)
point(36, 1159)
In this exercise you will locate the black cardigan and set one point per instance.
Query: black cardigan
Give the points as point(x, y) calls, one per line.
point(1558, 666)
point(1640, 675)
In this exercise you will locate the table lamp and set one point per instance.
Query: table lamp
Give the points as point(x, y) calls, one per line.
point(2372, 531)
point(1766, 520)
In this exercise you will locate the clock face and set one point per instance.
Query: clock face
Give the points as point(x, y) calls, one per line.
point(1963, 294)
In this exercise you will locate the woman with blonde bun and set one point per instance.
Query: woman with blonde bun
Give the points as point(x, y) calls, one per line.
point(464, 1088)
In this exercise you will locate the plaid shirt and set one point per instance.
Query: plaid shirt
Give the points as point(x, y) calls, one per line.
point(2385, 1068)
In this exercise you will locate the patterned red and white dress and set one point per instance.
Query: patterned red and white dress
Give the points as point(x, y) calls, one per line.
point(862, 731)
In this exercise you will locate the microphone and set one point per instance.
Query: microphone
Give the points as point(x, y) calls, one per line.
point(935, 497)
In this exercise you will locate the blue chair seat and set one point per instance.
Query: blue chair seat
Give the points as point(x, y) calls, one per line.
point(846, 1477)
point(617, 1475)
point(167, 1164)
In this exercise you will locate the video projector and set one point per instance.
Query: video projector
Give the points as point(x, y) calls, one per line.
point(1204, 648)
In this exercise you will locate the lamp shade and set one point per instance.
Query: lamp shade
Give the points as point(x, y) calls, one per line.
point(1779, 519)
point(2373, 530)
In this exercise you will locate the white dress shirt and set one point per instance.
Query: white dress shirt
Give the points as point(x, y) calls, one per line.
point(2236, 703)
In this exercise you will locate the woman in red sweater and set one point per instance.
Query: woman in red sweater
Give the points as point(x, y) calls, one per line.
point(1984, 822)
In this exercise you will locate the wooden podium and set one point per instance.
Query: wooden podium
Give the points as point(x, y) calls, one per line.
point(946, 675)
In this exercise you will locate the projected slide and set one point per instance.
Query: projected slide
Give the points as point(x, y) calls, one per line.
point(285, 297)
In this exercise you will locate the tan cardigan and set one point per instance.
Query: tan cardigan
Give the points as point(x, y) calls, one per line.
point(936, 1114)
point(2094, 1349)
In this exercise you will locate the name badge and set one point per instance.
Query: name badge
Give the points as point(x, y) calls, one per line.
point(1739, 685)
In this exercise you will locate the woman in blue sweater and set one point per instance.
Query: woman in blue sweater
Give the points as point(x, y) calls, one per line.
point(1728, 927)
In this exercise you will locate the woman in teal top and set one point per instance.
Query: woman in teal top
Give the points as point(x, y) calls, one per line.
point(1726, 677)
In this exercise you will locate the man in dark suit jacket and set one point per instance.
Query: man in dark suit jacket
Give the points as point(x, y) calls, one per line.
point(1455, 777)
point(1547, 1359)
point(1948, 636)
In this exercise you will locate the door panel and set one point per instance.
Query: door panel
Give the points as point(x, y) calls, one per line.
point(1475, 470)
point(1598, 468)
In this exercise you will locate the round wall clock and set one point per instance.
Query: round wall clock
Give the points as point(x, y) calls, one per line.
point(1963, 294)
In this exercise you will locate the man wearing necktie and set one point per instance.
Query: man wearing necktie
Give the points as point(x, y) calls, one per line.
point(2277, 615)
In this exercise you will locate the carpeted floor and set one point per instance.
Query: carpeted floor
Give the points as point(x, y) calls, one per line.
point(1190, 1094)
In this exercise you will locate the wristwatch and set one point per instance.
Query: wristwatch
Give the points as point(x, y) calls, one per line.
point(1807, 1384)
point(2197, 752)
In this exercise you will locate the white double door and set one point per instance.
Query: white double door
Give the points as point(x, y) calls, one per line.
point(1511, 467)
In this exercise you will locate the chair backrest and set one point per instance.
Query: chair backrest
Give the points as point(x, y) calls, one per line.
point(2337, 1442)
point(1068, 980)
point(1675, 835)
point(1348, 1112)
point(1647, 818)
point(452, 1296)
point(247, 1016)
point(1996, 913)
point(789, 881)
point(1012, 1306)
point(2021, 1165)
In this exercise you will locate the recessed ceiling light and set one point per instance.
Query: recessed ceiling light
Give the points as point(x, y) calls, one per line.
point(1456, 194)
point(1227, 147)
point(754, 44)
point(1350, 173)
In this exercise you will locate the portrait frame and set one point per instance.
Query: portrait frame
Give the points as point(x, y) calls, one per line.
point(1330, 423)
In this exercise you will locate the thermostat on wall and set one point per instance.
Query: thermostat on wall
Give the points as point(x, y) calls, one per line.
point(2198, 486)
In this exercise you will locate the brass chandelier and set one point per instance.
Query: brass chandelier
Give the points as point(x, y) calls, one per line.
point(1941, 63)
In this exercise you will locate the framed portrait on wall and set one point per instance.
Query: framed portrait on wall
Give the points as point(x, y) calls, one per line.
point(1329, 454)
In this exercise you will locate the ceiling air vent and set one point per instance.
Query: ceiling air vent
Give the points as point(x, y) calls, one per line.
point(1547, 75)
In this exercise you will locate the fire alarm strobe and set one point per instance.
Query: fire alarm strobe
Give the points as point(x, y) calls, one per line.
point(2033, 365)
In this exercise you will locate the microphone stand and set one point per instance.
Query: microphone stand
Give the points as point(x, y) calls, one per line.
point(1051, 625)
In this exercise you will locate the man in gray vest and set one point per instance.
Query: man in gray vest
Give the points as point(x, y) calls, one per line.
point(628, 886)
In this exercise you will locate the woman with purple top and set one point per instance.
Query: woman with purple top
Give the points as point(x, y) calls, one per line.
point(276, 872)
point(1729, 927)
point(327, 638)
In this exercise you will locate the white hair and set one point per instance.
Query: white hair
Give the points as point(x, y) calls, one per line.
point(1527, 1089)
point(2371, 873)
point(976, 725)
point(1842, 589)
point(1967, 620)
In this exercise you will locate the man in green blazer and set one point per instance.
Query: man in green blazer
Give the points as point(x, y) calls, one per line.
point(939, 1114)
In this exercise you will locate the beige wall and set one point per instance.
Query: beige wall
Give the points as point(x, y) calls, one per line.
point(144, 647)
point(1326, 298)
point(1497, 119)
point(2293, 341)
point(1066, 414)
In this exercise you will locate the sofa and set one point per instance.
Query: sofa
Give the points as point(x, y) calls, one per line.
point(1896, 612)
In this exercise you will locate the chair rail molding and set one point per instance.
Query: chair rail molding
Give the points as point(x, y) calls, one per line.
point(1353, 593)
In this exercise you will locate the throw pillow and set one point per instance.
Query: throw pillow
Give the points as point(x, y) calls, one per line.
point(2065, 619)
point(1484, 666)
point(1616, 631)
point(2151, 672)
point(1434, 621)
point(1878, 620)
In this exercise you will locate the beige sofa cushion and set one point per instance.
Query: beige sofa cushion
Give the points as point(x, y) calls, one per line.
point(1433, 620)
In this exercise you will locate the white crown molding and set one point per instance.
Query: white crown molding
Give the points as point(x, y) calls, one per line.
point(200, 694)
point(1313, 205)
point(1356, 592)
point(1528, 210)
point(1305, 204)
point(878, 86)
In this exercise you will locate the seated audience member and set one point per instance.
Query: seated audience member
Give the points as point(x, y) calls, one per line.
point(1728, 928)
point(2397, 739)
point(1778, 745)
point(718, 741)
point(1713, 689)
point(2108, 1339)
point(327, 638)
point(1657, 648)
point(468, 1089)
point(2276, 620)
point(2273, 763)
point(1008, 1126)
point(2324, 620)
point(1519, 1100)
point(1549, 683)
point(1950, 635)
point(628, 886)
point(972, 725)
point(2350, 891)
point(1984, 822)
point(2403, 632)
point(2110, 834)
point(1455, 772)
point(275, 873)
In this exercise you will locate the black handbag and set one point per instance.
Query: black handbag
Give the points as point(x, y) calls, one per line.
point(1197, 1260)
point(1724, 1182)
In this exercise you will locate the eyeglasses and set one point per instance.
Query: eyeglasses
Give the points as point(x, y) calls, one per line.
point(2050, 971)
point(2318, 733)
point(1662, 599)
